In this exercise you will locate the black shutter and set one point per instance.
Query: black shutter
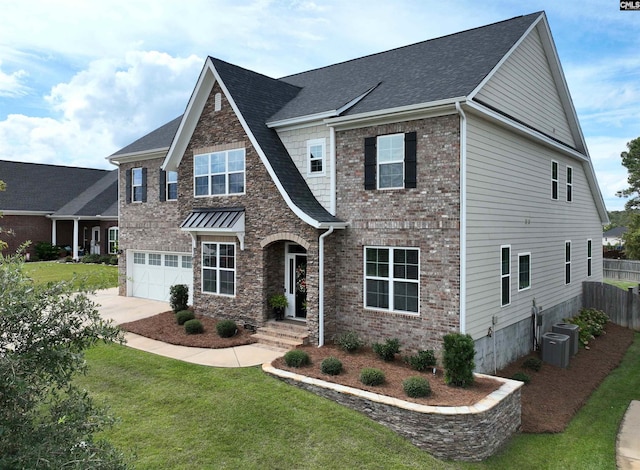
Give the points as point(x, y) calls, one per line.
point(144, 184)
point(105, 243)
point(162, 188)
point(370, 163)
point(127, 186)
point(410, 165)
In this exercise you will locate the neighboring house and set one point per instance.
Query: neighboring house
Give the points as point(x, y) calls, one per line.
point(66, 206)
point(614, 238)
point(439, 187)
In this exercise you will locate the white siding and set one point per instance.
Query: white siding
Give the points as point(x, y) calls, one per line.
point(509, 203)
point(523, 87)
point(295, 142)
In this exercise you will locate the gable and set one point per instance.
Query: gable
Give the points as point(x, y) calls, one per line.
point(524, 88)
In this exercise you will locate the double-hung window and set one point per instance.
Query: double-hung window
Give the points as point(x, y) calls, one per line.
point(218, 268)
point(505, 275)
point(113, 240)
point(567, 262)
point(136, 185)
point(315, 157)
point(589, 258)
point(172, 185)
point(569, 184)
point(524, 271)
point(392, 279)
point(554, 180)
point(390, 161)
point(219, 173)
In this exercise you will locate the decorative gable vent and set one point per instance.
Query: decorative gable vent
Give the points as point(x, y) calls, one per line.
point(217, 104)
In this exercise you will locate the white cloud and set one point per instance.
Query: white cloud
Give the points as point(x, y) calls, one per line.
point(11, 83)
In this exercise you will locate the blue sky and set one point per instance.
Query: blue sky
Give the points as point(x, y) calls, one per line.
point(81, 79)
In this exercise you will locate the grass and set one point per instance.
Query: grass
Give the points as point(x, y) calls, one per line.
point(621, 284)
point(176, 415)
point(89, 276)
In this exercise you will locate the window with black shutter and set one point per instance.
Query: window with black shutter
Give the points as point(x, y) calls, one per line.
point(390, 161)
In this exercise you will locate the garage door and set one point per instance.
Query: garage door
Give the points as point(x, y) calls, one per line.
point(153, 273)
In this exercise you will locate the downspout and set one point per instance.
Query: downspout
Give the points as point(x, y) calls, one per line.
point(321, 286)
point(463, 218)
point(332, 170)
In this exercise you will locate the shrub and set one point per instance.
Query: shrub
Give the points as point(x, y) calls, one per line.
point(458, 359)
point(91, 259)
point(297, 358)
point(532, 363)
point(522, 377)
point(387, 351)
point(45, 251)
point(371, 376)
point(193, 327)
point(178, 297)
point(422, 361)
point(349, 341)
point(591, 323)
point(226, 328)
point(184, 316)
point(416, 387)
point(331, 366)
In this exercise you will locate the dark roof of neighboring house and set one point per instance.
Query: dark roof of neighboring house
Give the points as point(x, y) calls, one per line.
point(446, 67)
point(615, 232)
point(158, 139)
point(43, 188)
point(100, 199)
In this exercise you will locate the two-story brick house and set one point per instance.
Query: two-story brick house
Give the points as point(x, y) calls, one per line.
point(442, 186)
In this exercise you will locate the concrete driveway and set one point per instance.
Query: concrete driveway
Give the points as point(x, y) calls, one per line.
point(122, 309)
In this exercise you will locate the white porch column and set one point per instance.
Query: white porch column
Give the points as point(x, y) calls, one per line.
point(75, 239)
point(54, 237)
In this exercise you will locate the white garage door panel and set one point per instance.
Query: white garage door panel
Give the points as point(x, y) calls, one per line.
point(154, 282)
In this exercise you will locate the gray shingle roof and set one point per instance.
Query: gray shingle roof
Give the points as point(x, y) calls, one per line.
point(100, 199)
point(446, 67)
point(43, 188)
point(158, 139)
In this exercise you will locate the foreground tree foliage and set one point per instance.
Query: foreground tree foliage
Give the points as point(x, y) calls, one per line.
point(45, 421)
point(631, 160)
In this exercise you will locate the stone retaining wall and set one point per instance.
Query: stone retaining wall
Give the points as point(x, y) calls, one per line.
point(469, 433)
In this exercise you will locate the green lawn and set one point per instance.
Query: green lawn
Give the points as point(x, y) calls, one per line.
point(621, 284)
point(183, 416)
point(90, 276)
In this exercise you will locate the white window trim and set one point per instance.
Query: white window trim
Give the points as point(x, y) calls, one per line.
point(313, 143)
point(555, 180)
point(502, 276)
point(530, 270)
point(569, 187)
point(171, 182)
point(226, 173)
point(589, 257)
point(134, 185)
point(217, 268)
point(378, 164)
point(390, 279)
point(567, 263)
point(111, 241)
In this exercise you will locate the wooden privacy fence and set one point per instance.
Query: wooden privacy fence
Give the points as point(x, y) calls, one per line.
point(621, 269)
point(622, 306)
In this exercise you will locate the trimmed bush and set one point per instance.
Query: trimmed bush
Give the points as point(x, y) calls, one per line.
point(297, 358)
point(226, 328)
point(416, 387)
point(193, 327)
point(387, 351)
point(91, 259)
point(184, 316)
point(349, 341)
point(331, 366)
point(532, 363)
point(522, 377)
point(45, 251)
point(178, 297)
point(423, 361)
point(371, 376)
point(458, 361)
point(591, 323)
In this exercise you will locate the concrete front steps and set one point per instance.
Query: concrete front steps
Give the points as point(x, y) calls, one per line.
point(285, 334)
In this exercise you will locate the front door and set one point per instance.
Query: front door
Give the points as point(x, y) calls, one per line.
point(95, 241)
point(296, 283)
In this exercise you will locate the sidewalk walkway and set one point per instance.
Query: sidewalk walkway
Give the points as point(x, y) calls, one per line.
point(122, 309)
point(628, 442)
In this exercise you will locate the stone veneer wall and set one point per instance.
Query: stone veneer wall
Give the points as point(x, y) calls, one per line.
point(427, 217)
point(468, 433)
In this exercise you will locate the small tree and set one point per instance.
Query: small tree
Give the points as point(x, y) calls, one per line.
point(46, 422)
point(179, 297)
point(458, 362)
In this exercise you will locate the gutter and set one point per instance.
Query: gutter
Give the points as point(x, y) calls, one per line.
point(463, 217)
point(321, 286)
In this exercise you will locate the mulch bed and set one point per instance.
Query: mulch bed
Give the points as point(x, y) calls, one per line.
point(549, 401)
point(163, 327)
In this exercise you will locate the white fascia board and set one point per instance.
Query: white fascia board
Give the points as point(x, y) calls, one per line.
point(384, 116)
point(137, 156)
point(476, 108)
point(301, 120)
point(201, 92)
point(19, 212)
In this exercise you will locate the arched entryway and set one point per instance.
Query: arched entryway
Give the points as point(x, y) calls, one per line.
point(295, 281)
